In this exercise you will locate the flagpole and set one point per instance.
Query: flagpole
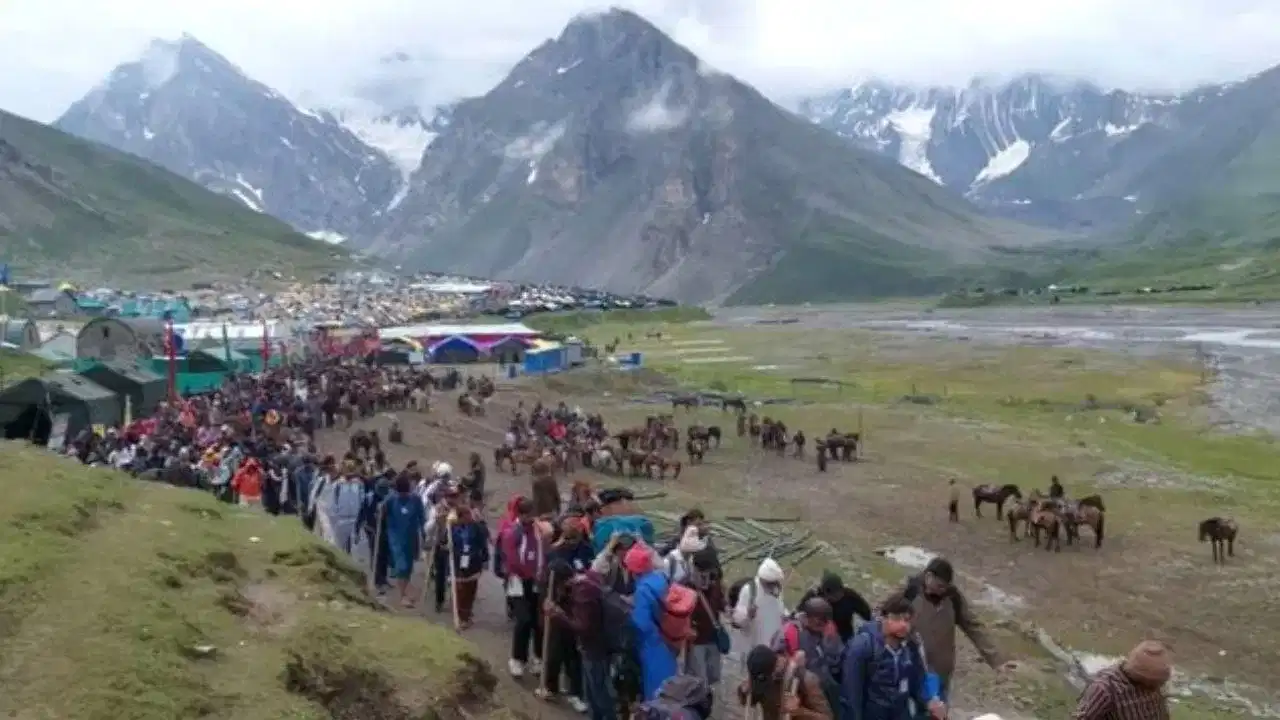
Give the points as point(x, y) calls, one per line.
point(226, 346)
point(170, 345)
point(266, 346)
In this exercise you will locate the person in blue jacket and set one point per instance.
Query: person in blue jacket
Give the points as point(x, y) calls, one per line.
point(885, 674)
point(403, 518)
point(656, 657)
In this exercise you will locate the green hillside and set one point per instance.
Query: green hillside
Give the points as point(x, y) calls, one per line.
point(82, 210)
point(126, 599)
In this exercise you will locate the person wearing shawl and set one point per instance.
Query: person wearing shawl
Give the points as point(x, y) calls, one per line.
point(402, 519)
point(470, 538)
point(524, 556)
point(657, 659)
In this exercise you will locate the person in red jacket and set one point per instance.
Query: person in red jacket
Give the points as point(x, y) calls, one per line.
point(524, 554)
point(247, 482)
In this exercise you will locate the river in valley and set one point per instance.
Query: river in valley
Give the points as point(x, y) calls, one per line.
point(1241, 345)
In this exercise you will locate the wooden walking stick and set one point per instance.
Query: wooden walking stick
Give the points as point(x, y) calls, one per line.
point(453, 573)
point(546, 628)
point(375, 551)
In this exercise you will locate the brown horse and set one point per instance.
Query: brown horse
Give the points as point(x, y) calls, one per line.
point(1222, 533)
point(504, 455)
point(1090, 512)
point(1021, 513)
point(1044, 518)
point(662, 465)
point(705, 433)
point(996, 495)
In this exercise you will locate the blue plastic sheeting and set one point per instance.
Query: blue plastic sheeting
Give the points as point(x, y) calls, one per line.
point(548, 360)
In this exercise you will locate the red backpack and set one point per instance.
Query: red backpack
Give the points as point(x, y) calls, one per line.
point(676, 619)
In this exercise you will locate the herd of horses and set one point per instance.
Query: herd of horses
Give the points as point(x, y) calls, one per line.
point(1053, 516)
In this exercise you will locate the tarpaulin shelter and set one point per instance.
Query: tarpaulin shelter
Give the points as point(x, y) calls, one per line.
point(144, 388)
point(506, 350)
point(455, 349)
point(28, 408)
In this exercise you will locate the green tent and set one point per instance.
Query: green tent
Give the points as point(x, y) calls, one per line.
point(29, 408)
point(144, 388)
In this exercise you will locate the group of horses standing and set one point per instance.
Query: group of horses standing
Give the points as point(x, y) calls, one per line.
point(1053, 516)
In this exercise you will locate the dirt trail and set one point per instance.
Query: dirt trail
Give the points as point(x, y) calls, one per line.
point(445, 434)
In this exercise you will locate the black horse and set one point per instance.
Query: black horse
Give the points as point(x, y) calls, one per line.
point(705, 433)
point(1221, 532)
point(688, 402)
point(996, 495)
point(738, 404)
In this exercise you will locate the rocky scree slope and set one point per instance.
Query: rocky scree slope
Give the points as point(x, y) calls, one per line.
point(612, 157)
point(188, 109)
point(87, 211)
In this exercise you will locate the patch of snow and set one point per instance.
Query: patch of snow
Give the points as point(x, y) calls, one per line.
point(328, 236)
point(257, 192)
point(1131, 198)
point(566, 68)
point(915, 128)
point(286, 142)
point(244, 198)
point(310, 113)
point(147, 133)
point(1243, 263)
point(519, 83)
point(142, 97)
point(1059, 132)
point(655, 116)
point(908, 556)
point(400, 195)
point(1004, 162)
point(1117, 130)
point(404, 143)
point(533, 172)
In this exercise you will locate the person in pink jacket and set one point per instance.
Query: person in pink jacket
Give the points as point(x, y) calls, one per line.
point(524, 546)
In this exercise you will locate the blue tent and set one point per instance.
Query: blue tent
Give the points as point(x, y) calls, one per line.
point(455, 349)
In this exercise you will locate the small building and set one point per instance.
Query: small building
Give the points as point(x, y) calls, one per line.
point(21, 333)
point(128, 340)
point(508, 350)
point(143, 388)
point(51, 302)
point(545, 357)
point(454, 350)
point(28, 409)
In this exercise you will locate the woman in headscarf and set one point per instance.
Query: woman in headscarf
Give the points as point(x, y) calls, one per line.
point(247, 482)
point(402, 518)
point(657, 659)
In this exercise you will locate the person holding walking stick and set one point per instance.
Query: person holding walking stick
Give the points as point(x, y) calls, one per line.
point(469, 548)
point(402, 517)
point(443, 515)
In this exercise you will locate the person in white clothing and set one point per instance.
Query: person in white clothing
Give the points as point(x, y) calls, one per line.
point(676, 563)
point(760, 611)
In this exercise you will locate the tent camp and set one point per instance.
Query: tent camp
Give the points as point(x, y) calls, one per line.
point(455, 349)
point(29, 408)
point(144, 388)
point(507, 350)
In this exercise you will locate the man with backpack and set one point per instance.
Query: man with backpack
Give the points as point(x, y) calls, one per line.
point(884, 675)
point(758, 609)
point(813, 633)
point(600, 620)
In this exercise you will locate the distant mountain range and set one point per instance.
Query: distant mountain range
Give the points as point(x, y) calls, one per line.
point(1051, 152)
point(612, 157)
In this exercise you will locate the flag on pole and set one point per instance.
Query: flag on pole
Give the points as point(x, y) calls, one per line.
point(266, 346)
point(226, 346)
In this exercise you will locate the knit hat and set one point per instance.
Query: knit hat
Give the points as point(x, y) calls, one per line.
point(691, 542)
point(638, 560)
point(770, 571)
point(1150, 663)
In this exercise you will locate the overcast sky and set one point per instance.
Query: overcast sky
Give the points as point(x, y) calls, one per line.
point(53, 51)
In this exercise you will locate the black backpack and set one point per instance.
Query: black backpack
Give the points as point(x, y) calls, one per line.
point(615, 621)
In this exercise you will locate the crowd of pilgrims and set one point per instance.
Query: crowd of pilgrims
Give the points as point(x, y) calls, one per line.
point(616, 622)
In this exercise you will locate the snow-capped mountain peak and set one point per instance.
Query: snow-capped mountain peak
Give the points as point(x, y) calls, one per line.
point(403, 134)
point(995, 141)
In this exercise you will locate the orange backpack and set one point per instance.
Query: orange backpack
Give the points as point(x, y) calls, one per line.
point(676, 621)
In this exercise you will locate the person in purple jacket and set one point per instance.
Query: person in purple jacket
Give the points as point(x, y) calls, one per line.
point(524, 556)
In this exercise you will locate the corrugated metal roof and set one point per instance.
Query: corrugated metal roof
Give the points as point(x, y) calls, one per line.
point(235, 331)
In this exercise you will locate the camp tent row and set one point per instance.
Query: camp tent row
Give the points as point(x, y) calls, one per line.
point(99, 394)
